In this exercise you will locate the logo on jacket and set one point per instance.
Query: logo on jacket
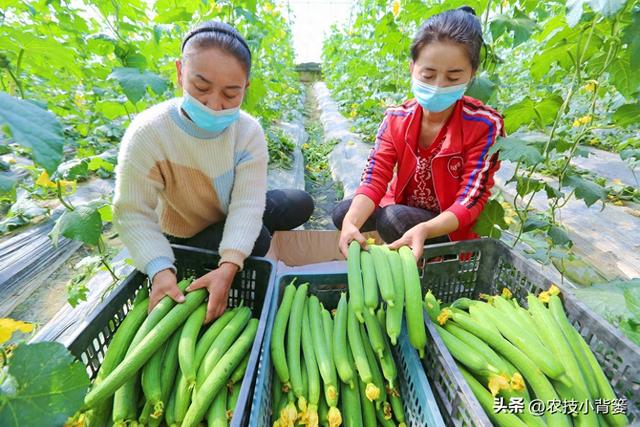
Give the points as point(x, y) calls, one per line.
point(455, 166)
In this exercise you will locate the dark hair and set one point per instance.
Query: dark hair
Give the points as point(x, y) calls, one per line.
point(220, 35)
point(457, 25)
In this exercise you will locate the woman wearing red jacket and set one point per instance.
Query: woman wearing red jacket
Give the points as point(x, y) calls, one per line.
point(438, 144)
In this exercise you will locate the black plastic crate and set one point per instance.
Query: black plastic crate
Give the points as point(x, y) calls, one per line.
point(253, 286)
point(470, 268)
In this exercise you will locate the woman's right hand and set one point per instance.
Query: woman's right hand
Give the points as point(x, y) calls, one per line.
point(164, 283)
point(349, 233)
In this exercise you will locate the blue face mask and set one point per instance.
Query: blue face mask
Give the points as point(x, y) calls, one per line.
point(206, 118)
point(436, 98)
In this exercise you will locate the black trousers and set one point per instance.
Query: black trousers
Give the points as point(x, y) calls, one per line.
point(391, 222)
point(284, 210)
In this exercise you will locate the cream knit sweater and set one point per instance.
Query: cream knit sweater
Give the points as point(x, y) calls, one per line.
point(176, 178)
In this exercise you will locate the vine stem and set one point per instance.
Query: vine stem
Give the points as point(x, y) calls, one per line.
point(486, 14)
point(16, 81)
point(66, 204)
point(104, 262)
point(561, 112)
point(583, 131)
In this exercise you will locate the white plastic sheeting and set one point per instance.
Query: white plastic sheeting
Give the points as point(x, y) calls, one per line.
point(607, 238)
point(349, 157)
point(28, 258)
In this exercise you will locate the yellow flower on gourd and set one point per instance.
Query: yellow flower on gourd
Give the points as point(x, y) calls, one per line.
point(444, 316)
point(396, 8)
point(44, 181)
point(517, 382)
point(268, 7)
point(616, 181)
point(497, 383)
point(554, 290)
point(505, 4)
point(544, 296)
point(78, 99)
point(582, 120)
point(8, 326)
point(590, 86)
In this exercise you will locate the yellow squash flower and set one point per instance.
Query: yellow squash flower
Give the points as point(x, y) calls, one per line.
point(396, 8)
point(8, 326)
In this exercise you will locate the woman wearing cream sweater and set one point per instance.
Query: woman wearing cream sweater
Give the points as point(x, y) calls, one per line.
point(193, 170)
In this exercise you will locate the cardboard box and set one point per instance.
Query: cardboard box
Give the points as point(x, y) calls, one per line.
point(309, 251)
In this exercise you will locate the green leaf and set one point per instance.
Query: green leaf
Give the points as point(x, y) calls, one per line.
point(135, 60)
point(623, 77)
point(481, 88)
point(72, 170)
point(535, 223)
point(630, 154)
point(113, 109)
point(526, 148)
point(577, 270)
point(617, 302)
point(12, 223)
point(83, 224)
point(44, 140)
point(76, 293)
point(255, 94)
point(627, 114)
point(526, 185)
point(631, 36)
point(7, 184)
point(552, 192)
point(99, 163)
point(547, 109)
point(586, 190)
point(491, 220)
point(134, 83)
point(45, 386)
point(632, 299)
point(558, 236)
point(106, 213)
point(101, 44)
point(540, 255)
point(520, 25)
point(526, 111)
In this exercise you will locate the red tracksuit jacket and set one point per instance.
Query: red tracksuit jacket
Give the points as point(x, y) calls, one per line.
point(462, 170)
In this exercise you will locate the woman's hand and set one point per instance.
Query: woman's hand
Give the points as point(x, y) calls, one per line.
point(164, 283)
point(218, 282)
point(349, 233)
point(414, 238)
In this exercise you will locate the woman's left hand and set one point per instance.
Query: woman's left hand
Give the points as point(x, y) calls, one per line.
point(218, 282)
point(414, 238)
